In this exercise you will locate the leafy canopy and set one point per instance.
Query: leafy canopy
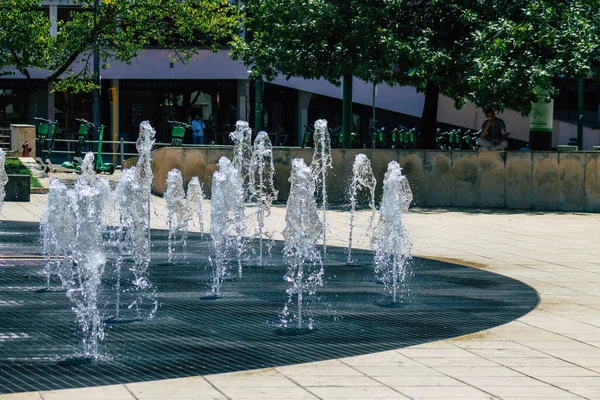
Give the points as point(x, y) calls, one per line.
point(118, 29)
point(316, 39)
point(494, 53)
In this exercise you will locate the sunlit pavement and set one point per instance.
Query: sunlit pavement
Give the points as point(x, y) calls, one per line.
point(550, 353)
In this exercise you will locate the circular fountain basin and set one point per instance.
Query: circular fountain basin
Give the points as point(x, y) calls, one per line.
point(195, 335)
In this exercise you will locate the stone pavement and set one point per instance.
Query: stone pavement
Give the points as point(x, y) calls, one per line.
point(551, 353)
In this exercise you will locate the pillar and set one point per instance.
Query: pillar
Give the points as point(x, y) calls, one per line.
point(303, 103)
point(242, 99)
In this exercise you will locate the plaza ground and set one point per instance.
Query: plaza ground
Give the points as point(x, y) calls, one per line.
point(551, 353)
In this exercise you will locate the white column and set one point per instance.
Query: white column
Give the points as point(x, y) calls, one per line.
point(53, 31)
point(242, 99)
point(303, 103)
point(53, 20)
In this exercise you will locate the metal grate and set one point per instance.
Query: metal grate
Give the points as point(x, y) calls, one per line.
point(196, 336)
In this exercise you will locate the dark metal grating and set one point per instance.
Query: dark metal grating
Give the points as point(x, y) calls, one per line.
point(195, 336)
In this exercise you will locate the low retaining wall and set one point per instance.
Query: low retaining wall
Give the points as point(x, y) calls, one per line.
point(531, 180)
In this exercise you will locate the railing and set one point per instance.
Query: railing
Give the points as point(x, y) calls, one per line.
point(5, 142)
point(121, 153)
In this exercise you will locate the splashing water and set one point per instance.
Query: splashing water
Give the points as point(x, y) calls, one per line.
point(133, 233)
point(178, 213)
point(89, 258)
point(3, 178)
point(242, 152)
point(132, 241)
point(124, 235)
point(227, 221)
point(390, 242)
point(321, 163)
point(262, 189)
point(362, 177)
point(195, 201)
point(58, 228)
point(301, 233)
point(143, 174)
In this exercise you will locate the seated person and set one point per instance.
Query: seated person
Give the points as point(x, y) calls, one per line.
point(281, 135)
point(493, 133)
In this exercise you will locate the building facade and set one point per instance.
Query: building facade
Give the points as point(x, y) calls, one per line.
point(220, 91)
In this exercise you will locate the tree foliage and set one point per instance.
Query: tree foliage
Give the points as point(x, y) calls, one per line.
point(527, 45)
point(499, 54)
point(118, 29)
point(494, 53)
point(316, 39)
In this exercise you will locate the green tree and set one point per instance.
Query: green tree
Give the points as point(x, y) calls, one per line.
point(118, 29)
point(531, 43)
point(495, 54)
point(320, 39)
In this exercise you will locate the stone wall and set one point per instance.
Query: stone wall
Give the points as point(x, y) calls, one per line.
point(529, 180)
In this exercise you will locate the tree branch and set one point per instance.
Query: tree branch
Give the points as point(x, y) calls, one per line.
point(20, 67)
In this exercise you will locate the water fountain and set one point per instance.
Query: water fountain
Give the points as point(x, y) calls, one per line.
point(390, 242)
point(125, 235)
point(262, 188)
point(320, 164)
point(178, 212)
point(199, 331)
point(362, 178)
point(242, 151)
point(144, 175)
point(133, 232)
point(89, 257)
point(3, 178)
point(226, 221)
point(301, 233)
point(58, 227)
point(195, 201)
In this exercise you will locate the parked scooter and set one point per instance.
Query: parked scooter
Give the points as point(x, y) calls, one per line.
point(353, 140)
point(404, 138)
point(178, 132)
point(101, 166)
point(81, 135)
point(470, 140)
point(441, 140)
point(377, 137)
point(45, 130)
point(309, 131)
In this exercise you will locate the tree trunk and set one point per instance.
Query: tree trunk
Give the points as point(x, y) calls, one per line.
point(429, 116)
